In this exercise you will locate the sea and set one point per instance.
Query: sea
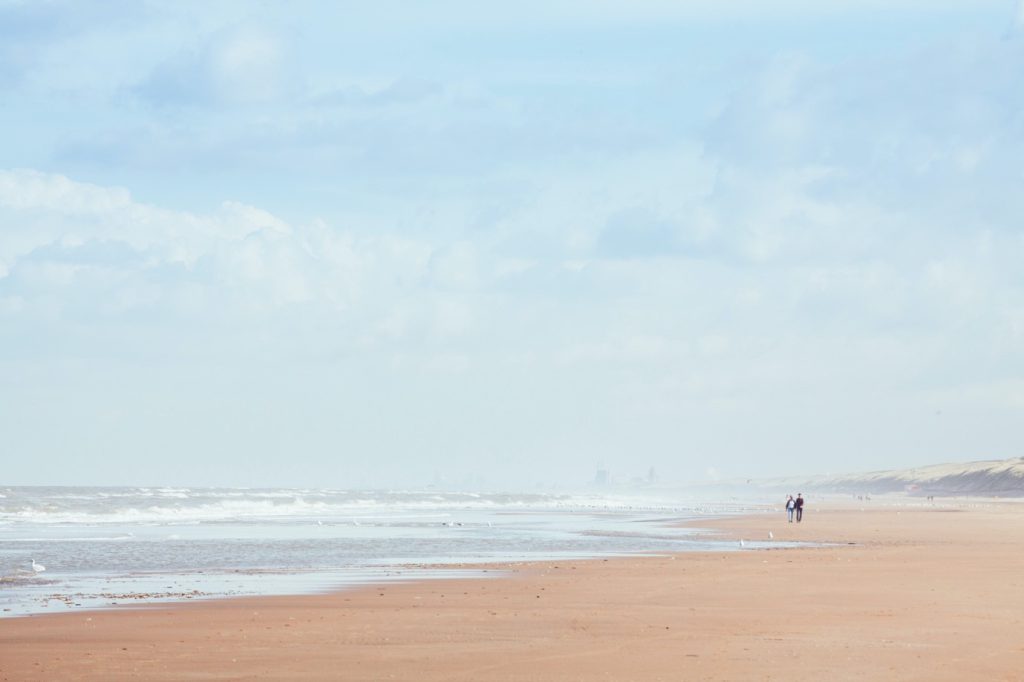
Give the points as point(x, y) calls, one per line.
point(71, 548)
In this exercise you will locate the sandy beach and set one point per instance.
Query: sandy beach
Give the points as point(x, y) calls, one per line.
point(902, 593)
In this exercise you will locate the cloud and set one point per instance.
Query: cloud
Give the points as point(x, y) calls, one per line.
point(62, 235)
point(239, 65)
point(636, 232)
point(899, 158)
point(404, 90)
point(45, 45)
point(548, 236)
point(661, 338)
point(69, 249)
point(43, 208)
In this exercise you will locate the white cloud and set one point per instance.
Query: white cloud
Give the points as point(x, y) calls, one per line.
point(244, 64)
point(853, 302)
point(42, 209)
point(745, 261)
point(56, 228)
point(28, 190)
point(456, 266)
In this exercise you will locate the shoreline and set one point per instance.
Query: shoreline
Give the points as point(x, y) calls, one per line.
point(924, 593)
point(78, 594)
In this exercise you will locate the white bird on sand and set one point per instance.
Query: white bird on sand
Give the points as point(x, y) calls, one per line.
point(38, 568)
point(771, 536)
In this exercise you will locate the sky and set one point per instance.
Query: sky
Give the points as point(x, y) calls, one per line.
point(503, 245)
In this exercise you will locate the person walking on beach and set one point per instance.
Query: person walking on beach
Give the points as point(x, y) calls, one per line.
point(790, 505)
point(799, 504)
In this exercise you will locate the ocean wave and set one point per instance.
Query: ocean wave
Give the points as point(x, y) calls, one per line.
point(114, 538)
point(192, 505)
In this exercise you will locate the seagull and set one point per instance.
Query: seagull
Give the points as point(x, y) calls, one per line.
point(771, 536)
point(38, 568)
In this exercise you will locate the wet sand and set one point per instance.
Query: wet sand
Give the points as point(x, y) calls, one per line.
point(923, 594)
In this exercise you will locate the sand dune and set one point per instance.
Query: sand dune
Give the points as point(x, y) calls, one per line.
point(993, 478)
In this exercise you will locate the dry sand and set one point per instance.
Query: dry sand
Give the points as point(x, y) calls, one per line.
point(924, 594)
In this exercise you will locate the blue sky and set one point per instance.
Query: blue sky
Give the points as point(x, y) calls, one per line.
point(325, 243)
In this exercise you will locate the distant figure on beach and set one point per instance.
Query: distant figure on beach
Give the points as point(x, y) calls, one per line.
point(799, 507)
point(790, 506)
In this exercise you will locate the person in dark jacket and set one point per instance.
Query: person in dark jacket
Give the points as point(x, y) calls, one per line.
point(799, 507)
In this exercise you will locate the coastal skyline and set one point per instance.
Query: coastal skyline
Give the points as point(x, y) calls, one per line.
point(327, 244)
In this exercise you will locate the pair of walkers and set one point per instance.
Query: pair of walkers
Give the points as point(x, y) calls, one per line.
point(796, 506)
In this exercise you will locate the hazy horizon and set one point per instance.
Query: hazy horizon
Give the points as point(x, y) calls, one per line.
point(326, 244)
